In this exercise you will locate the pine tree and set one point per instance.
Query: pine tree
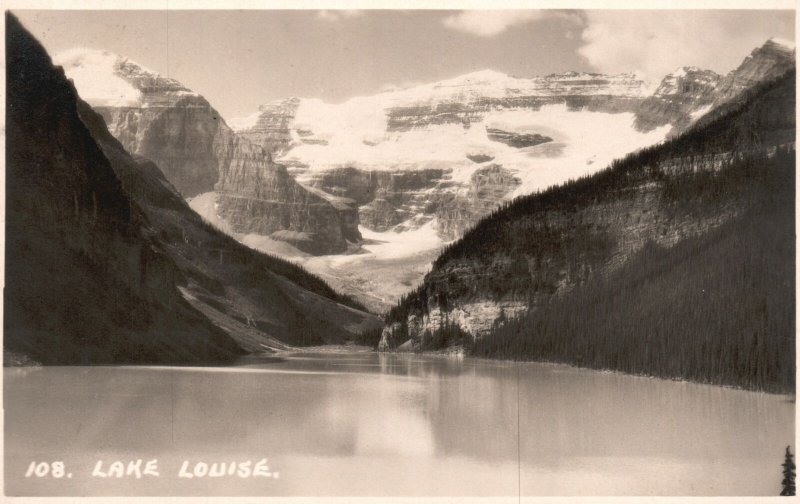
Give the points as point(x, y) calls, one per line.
point(788, 474)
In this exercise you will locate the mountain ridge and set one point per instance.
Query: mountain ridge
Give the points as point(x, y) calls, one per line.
point(569, 239)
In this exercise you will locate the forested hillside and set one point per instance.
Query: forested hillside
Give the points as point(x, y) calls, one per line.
point(718, 307)
point(675, 261)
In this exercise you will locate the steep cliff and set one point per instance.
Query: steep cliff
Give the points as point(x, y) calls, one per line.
point(160, 119)
point(681, 97)
point(600, 232)
point(85, 279)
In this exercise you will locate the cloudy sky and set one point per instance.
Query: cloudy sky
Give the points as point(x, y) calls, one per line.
point(240, 59)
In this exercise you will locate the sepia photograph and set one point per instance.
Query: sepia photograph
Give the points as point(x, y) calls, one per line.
point(500, 252)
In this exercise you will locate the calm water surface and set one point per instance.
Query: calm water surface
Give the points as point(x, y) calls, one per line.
point(392, 425)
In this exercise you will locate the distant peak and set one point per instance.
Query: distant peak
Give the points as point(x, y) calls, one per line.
point(78, 55)
point(104, 78)
point(683, 71)
point(84, 56)
point(781, 42)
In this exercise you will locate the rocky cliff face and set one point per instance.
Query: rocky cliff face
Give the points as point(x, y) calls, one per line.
point(767, 62)
point(160, 119)
point(85, 279)
point(270, 126)
point(681, 97)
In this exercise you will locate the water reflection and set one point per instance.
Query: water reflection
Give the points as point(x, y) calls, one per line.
point(378, 424)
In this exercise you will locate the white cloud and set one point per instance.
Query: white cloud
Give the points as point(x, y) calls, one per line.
point(336, 15)
point(654, 43)
point(488, 23)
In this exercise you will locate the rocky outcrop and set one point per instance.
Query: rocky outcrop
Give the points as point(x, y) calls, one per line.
point(680, 95)
point(271, 203)
point(467, 99)
point(518, 140)
point(384, 199)
point(270, 126)
point(479, 158)
point(488, 188)
point(185, 136)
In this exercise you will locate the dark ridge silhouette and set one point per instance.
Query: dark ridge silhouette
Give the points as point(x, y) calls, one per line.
point(83, 281)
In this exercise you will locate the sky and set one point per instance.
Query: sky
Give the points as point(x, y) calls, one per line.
point(241, 59)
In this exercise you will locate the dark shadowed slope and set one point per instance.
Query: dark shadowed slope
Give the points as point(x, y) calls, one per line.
point(106, 262)
point(85, 282)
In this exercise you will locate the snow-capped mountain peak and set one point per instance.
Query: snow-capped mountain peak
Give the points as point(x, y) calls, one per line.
point(687, 80)
point(788, 45)
point(104, 78)
point(95, 75)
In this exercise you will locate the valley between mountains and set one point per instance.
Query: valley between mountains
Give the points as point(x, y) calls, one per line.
point(581, 218)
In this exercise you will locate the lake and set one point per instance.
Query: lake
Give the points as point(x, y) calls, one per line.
point(368, 424)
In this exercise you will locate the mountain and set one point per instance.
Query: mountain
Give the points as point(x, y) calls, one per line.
point(675, 261)
point(433, 159)
point(160, 119)
point(682, 96)
point(85, 281)
point(408, 157)
point(106, 262)
point(423, 164)
point(359, 187)
point(767, 62)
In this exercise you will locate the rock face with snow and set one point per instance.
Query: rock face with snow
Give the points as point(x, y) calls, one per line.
point(415, 156)
point(153, 116)
point(689, 92)
point(160, 119)
point(403, 155)
point(681, 96)
point(269, 126)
